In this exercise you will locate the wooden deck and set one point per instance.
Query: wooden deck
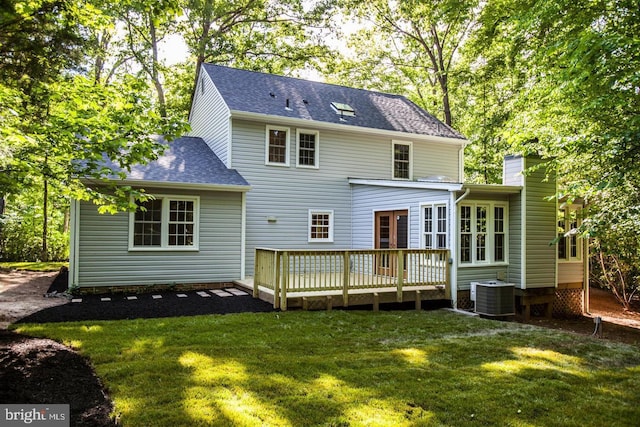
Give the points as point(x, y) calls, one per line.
point(312, 279)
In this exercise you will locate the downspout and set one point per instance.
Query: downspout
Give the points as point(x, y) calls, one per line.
point(74, 244)
point(454, 248)
point(243, 236)
point(464, 196)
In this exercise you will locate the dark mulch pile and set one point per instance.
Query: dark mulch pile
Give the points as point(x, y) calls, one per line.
point(41, 371)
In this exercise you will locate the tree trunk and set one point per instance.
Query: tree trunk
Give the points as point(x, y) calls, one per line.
point(155, 73)
point(44, 255)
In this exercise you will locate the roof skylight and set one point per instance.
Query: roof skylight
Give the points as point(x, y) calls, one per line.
point(343, 109)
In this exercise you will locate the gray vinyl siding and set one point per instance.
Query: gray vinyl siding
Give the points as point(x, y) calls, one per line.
point(570, 272)
point(540, 229)
point(466, 275)
point(369, 199)
point(285, 194)
point(104, 258)
point(514, 273)
point(210, 118)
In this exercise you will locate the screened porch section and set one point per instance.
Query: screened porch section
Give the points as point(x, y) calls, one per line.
point(349, 277)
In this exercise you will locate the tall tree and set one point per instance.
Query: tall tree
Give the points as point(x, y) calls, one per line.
point(416, 40)
point(147, 24)
point(268, 35)
point(60, 122)
point(579, 95)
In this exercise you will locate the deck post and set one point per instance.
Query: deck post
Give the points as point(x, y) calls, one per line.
point(258, 276)
point(285, 281)
point(277, 277)
point(345, 279)
point(400, 273)
point(447, 285)
point(418, 300)
point(329, 302)
point(376, 302)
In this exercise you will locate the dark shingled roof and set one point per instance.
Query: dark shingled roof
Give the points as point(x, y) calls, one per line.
point(187, 160)
point(249, 91)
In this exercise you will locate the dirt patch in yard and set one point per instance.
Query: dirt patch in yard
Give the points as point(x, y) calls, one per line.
point(22, 293)
point(617, 323)
point(43, 371)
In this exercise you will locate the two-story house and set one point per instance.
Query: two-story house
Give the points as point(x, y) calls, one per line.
point(285, 163)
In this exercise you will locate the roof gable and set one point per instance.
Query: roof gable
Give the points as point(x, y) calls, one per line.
point(269, 94)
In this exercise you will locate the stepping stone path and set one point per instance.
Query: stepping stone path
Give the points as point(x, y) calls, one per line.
point(222, 293)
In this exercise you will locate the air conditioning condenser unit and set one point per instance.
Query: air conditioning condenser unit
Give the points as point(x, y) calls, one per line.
point(495, 298)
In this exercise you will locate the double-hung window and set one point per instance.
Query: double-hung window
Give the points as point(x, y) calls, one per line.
point(277, 146)
point(402, 161)
point(165, 223)
point(320, 226)
point(482, 233)
point(569, 248)
point(308, 148)
point(435, 226)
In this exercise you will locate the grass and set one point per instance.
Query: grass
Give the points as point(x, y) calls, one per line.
point(353, 368)
point(33, 266)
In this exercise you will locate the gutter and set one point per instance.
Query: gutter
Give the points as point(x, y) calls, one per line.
point(178, 185)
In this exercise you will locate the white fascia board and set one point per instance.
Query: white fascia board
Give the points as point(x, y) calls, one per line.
point(408, 184)
point(493, 188)
point(307, 123)
point(189, 186)
point(181, 185)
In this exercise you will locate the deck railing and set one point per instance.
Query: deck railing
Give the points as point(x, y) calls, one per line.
point(294, 273)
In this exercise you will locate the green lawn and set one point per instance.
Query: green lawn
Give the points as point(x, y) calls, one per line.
point(354, 368)
point(33, 266)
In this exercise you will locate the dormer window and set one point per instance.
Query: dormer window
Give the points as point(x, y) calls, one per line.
point(343, 109)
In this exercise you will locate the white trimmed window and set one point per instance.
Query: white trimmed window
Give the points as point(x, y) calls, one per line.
point(483, 233)
point(165, 223)
point(277, 146)
point(320, 226)
point(402, 160)
point(569, 247)
point(308, 148)
point(435, 228)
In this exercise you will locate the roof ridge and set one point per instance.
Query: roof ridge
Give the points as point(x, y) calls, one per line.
point(301, 79)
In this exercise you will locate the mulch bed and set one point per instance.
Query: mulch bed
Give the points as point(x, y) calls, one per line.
point(145, 307)
point(41, 371)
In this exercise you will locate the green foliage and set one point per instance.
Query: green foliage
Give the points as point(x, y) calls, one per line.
point(574, 68)
point(408, 47)
point(354, 368)
point(21, 238)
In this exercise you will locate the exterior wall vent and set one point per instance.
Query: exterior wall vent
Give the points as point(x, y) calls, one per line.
point(494, 298)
